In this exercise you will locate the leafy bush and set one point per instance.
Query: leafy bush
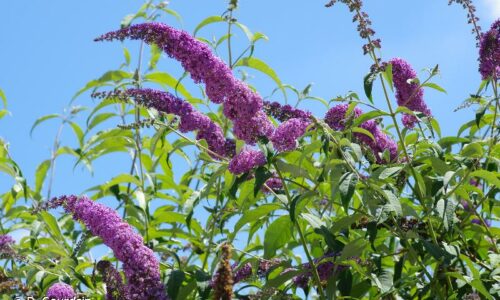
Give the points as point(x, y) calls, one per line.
point(274, 203)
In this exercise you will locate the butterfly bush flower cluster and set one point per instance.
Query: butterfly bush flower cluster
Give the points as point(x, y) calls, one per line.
point(489, 52)
point(336, 118)
point(286, 135)
point(60, 291)
point(324, 266)
point(140, 264)
point(246, 270)
point(190, 118)
point(246, 160)
point(6, 242)
point(409, 95)
point(273, 184)
point(241, 105)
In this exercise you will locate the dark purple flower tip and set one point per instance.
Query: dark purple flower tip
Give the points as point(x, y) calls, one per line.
point(60, 291)
point(489, 52)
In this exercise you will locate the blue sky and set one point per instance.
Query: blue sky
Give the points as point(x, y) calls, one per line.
point(47, 54)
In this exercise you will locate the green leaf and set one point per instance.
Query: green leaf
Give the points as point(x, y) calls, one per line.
point(4, 99)
point(314, 221)
point(110, 76)
point(368, 85)
point(126, 54)
point(389, 172)
point(98, 119)
point(353, 249)
point(491, 177)
point(277, 235)
point(393, 203)
point(347, 186)
point(476, 282)
point(472, 150)
point(53, 226)
point(209, 20)
point(254, 215)
point(123, 178)
point(78, 132)
point(43, 119)
point(388, 75)
point(282, 278)
point(167, 79)
point(40, 174)
point(175, 282)
point(368, 116)
point(434, 86)
point(261, 66)
point(155, 56)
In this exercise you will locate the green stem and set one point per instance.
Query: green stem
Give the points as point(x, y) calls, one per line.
point(230, 23)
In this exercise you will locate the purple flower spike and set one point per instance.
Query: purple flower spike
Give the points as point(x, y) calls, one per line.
point(336, 118)
point(242, 273)
point(246, 160)
point(60, 291)
point(285, 137)
point(409, 95)
point(241, 104)
point(190, 118)
point(489, 52)
point(141, 267)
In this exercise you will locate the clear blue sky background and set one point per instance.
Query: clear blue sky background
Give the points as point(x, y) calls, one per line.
point(47, 54)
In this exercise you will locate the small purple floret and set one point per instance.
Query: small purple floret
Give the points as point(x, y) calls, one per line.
point(246, 160)
point(60, 291)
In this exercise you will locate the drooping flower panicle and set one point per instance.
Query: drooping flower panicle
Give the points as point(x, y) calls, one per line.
point(408, 94)
point(140, 264)
point(60, 291)
point(190, 118)
point(336, 118)
point(241, 105)
point(489, 52)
